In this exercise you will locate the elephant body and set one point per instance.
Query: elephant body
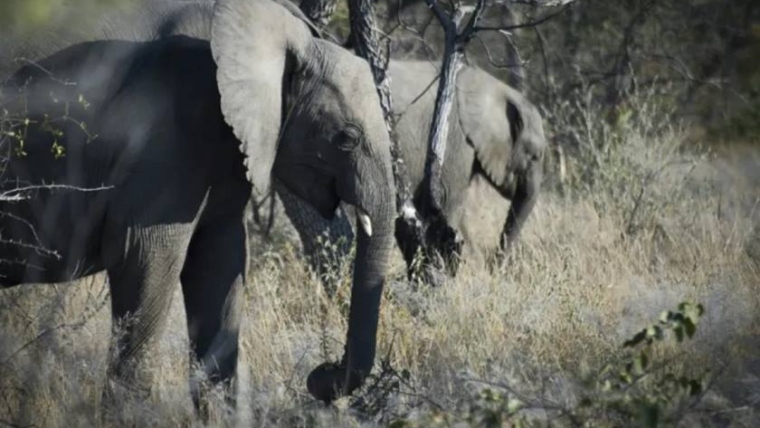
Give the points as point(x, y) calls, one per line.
point(495, 136)
point(145, 200)
point(139, 158)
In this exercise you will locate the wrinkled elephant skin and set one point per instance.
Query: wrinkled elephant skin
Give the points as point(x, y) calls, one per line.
point(178, 133)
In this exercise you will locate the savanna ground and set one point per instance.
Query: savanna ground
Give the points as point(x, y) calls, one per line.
point(645, 219)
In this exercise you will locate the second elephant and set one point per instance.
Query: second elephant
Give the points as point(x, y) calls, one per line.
point(495, 135)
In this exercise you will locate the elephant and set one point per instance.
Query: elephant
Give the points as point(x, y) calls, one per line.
point(495, 135)
point(140, 159)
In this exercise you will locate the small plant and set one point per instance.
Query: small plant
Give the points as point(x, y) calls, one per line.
point(634, 392)
point(15, 125)
point(640, 393)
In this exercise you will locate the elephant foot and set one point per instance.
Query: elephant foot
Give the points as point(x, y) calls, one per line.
point(327, 382)
point(444, 244)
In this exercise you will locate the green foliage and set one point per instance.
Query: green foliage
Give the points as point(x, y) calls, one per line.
point(340, 25)
point(488, 408)
point(639, 393)
point(684, 321)
point(16, 123)
point(636, 391)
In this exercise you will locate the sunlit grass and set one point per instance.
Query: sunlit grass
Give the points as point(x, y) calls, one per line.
point(580, 283)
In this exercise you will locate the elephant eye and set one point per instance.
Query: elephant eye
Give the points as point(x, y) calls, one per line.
point(348, 138)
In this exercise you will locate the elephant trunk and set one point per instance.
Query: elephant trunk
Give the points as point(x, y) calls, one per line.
point(375, 203)
point(372, 256)
point(524, 199)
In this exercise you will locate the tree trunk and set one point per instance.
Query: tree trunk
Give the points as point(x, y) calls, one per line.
point(456, 42)
point(516, 70)
point(439, 128)
point(441, 242)
point(365, 41)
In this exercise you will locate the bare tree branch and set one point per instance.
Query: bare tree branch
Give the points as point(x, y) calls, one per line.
point(531, 22)
point(364, 33)
point(22, 193)
point(455, 42)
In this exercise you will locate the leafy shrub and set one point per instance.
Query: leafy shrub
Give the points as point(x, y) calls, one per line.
point(637, 391)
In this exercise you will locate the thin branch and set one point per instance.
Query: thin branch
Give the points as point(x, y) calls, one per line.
point(493, 61)
point(469, 29)
point(455, 43)
point(14, 195)
point(530, 23)
point(418, 97)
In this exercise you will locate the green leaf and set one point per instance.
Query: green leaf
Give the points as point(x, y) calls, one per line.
point(636, 339)
point(514, 405)
point(658, 332)
point(689, 327)
point(679, 333)
point(700, 309)
point(640, 363)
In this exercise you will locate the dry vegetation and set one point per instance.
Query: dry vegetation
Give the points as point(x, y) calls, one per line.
point(640, 224)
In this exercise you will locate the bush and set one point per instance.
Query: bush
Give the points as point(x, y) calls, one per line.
point(634, 163)
point(635, 392)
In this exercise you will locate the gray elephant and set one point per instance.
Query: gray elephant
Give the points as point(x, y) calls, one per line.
point(495, 133)
point(150, 152)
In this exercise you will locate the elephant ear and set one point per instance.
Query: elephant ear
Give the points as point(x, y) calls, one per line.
point(490, 119)
point(256, 45)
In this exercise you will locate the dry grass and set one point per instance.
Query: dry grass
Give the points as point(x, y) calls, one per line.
point(581, 283)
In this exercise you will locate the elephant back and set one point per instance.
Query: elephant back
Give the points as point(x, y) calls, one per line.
point(415, 86)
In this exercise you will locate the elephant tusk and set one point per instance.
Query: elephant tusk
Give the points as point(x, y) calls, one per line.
point(364, 221)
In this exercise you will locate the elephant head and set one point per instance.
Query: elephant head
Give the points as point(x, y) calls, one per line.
point(509, 142)
point(307, 110)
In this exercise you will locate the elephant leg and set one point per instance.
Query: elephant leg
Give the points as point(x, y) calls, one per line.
point(212, 285)
point(141, 282)
point(409, 242)
point(445, 243)
point(440, 246)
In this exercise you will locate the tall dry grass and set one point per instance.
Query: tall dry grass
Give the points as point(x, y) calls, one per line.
point(643, 222)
